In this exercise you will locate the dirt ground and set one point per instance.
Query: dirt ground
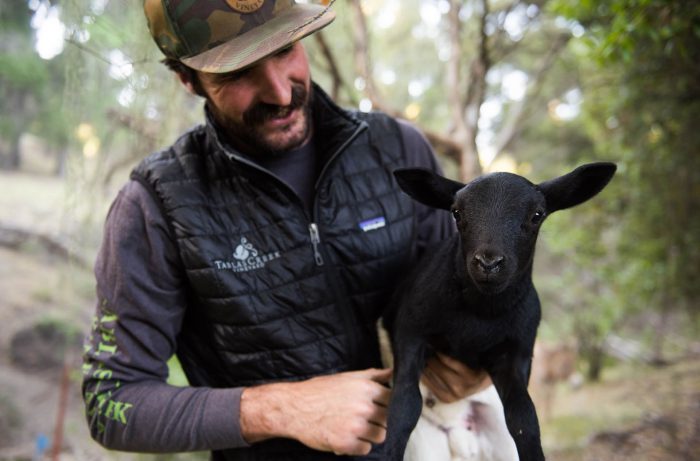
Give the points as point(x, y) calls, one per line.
point(46, 306)
point(46, 303)
point(29, 391)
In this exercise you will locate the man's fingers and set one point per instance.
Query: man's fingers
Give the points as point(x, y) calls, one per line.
point(382, 397)
point(473, 380)
point(375, 434)
point(453, 365)
point(358, 448)
point(438, 387)
point(450, 380)
point(379, 416)
point(380, 375)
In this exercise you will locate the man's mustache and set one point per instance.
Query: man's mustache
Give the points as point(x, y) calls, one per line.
point(262, 112)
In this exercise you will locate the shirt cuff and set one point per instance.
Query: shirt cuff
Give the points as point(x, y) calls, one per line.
point(224, 413)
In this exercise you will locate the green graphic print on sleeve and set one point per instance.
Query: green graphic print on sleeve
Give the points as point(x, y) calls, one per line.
point(100, 347)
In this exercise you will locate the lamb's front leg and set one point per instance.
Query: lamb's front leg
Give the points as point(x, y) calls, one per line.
point(521, 417)
point(406, 402)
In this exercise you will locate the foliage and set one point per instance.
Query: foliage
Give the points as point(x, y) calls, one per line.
point(620, 29)
point(20, 71)
point(642, 83)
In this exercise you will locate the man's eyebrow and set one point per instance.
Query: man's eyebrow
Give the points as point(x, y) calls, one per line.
point(227, 76)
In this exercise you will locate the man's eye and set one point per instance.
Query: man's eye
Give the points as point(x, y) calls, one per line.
point(233, 76)
point(285, 50)
point(229, 77)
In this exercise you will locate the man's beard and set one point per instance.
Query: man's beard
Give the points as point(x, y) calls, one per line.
point(247, 135)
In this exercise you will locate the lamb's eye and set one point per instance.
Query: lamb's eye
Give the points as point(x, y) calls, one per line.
point(537, 217)
point(457, 215)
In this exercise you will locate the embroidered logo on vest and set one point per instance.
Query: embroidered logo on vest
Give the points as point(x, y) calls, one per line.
point(246, 258)
point(373, 224)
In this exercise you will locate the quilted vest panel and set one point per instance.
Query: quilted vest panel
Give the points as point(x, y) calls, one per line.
point(273, 303)
point(257, 292)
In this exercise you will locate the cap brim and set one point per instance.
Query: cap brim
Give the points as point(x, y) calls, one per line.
point(292, 25)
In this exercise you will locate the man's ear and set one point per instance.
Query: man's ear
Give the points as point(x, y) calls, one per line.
point(187, 82)
point(427, 187)
point(578, 186)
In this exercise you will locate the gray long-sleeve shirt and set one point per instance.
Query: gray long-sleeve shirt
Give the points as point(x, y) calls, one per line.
point(141, 291)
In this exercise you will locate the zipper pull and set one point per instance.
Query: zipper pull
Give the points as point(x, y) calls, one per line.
point(315, 240)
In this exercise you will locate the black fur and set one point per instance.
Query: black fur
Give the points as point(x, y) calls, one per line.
point(472, 296)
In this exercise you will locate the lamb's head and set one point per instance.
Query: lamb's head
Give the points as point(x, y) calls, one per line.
point(499, 215)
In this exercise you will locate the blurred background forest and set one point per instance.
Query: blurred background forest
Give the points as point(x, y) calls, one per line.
point(534, 87)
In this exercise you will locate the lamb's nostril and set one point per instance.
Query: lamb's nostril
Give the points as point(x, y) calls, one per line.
point(489, 263)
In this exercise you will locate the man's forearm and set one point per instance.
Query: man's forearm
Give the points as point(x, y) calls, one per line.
point(343, 413)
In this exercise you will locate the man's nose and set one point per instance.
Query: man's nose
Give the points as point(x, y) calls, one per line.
point(274, 86)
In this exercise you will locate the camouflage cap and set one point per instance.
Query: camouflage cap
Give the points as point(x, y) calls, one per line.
point(226, 35)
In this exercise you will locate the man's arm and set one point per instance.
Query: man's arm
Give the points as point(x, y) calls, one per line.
point(139, 312)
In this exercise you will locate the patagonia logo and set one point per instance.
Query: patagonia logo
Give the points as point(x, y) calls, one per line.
point(246, 258)
point(373, 224)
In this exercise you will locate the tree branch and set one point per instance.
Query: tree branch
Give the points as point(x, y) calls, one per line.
point(476, 93)
point(14, 237)
point(444, 145)
point(520, 109)
point(363, 63)
point(453, 74)
point(336, 77)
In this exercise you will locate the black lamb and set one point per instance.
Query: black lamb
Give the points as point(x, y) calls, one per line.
point(472, 296)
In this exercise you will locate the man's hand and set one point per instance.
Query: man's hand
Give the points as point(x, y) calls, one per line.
point(344, 413)
point(450, 380)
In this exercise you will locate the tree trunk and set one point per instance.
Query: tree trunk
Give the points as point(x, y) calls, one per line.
point(14, 159)
point(466, 111)
point(363, 63)
point(19, 100)
point(596, 356)
point(336, 77)
point(453, 75)
point(61, 160)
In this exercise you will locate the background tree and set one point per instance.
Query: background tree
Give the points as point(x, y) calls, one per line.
point(642, 87)
point(22, 79)
point(463, 42)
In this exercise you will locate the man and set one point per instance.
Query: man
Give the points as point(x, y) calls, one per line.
point(261, 248)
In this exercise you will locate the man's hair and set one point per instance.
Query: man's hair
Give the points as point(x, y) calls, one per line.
point(186, 73)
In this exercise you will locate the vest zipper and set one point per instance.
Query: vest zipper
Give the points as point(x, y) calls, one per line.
point(349, 319)
point(343, 306)
point(345, 310)
point(315, 241)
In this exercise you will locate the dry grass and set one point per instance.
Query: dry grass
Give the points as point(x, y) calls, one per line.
point(629, 400)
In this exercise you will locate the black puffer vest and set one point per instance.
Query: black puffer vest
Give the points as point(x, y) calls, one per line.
point(276, 294)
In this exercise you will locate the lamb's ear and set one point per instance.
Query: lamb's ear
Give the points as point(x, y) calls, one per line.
point(578, 186)
point(427, 187)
